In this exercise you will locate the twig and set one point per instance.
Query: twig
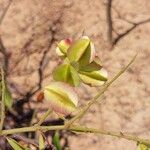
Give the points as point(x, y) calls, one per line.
point(120, 36)
point(113, 41)
point(77, 129)
point(31, 129)
point(41, 64)
point(109, 21)
point(3, 100)
point(111, 133)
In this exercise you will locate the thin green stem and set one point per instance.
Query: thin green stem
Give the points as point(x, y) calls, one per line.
point(3, 100)
point(42, 119)
point(110, 133)
point(31, 129)
point(81, 129)
point(95, 99)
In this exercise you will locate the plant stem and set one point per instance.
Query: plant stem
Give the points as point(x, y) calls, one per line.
point(111, 133)
point(77, 129)
point(95, 99)
point(3, 100)
point(32, 129)
point(42, 119)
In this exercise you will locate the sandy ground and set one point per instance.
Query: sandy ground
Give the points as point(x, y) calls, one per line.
point(126, 104)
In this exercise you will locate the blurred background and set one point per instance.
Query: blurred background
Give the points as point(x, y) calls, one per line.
point(29, 31)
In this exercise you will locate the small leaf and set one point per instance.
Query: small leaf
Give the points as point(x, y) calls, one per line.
point(8, 98)
point(77, 49)
point(15, 145)
point(143, 147)
point(56, 141)
point(62, 97)
point(41, 142)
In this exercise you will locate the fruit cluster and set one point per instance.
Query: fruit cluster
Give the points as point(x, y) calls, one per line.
point(80, 65)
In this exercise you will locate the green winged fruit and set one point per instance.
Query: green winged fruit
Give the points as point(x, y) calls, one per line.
point(62, 97)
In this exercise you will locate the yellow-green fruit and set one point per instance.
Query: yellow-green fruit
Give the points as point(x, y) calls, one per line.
point(63, 46)
point(66, 73)
point(94, 78)
point(81, 51)
point(62, 97)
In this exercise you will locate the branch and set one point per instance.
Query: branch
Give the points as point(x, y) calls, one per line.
point(113, 41)
point(32, 129)
point(120, 36)
point(77, 129)
point(109, 21)
point(41, 64)
point(111, 133)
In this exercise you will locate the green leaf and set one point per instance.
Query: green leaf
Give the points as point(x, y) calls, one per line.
point(142, 147)
point(62, 97)
point(41, 142)
point(8, 98)
point(77, 49)
point(56, 141)
point(15, 145)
